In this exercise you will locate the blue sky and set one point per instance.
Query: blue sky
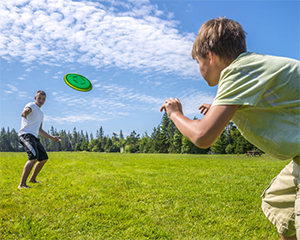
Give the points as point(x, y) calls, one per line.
point(137, 53)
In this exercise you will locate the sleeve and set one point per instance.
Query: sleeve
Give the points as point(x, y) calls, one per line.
point(30, 105)
point(239, 87)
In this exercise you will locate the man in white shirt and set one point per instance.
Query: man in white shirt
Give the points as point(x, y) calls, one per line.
point(31, 126)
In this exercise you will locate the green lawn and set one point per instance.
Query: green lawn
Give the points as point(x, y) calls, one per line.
point(137, 196)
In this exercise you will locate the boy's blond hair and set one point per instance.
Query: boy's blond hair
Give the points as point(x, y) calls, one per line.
point(224, 37)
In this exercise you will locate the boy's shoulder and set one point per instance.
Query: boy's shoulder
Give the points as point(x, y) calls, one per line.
point(255, 78)
point(30, 104)
point(261, 64)
point(250, 57)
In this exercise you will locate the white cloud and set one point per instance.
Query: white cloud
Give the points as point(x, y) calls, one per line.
point(62, 31)
point(30, 69)
point(12, 88)
point(75, 118)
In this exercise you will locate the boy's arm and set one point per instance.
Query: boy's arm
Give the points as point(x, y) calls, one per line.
point(26, 111)
point(47, 135)
point(203, 133)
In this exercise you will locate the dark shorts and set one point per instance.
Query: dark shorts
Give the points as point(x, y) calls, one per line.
point(33, 147)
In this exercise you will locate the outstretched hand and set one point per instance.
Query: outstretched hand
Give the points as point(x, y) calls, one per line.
point(56, 139)
point(204, 108)
point(171, 105)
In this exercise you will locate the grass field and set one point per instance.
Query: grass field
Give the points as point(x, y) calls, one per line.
point(137, 196)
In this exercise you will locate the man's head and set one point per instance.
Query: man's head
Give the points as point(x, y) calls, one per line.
point(223, 37)
point(40, 98)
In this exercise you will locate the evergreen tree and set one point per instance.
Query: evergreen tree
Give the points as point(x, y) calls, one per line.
point(78, 147)
point(87, 137)
point(14, 141)
point(93, 145)
point(143, 143)
point(52, 146)
point(164, 134)
point(121, 135)
point(121, 143)
point(186, 145)
point(2, 139)
point(5, 142)
point(155, 144)
point(101, 134)
point(229, 149)
point(220, 144)
point(74, 139)
point(65, 144)
point(115, 139)
point(132, 141)
point(84, 146)
point(108, 145)
point(176, 143)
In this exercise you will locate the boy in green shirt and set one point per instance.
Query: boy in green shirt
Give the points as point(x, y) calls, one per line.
point(261, 95)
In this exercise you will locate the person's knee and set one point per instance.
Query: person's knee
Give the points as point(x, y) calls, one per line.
point(31, 161)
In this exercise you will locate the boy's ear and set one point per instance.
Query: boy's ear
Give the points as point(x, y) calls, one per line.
point(210, 56)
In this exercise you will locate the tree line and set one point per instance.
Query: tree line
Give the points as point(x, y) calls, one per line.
point(165, 138)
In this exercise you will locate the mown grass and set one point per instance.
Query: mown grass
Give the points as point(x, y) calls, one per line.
point(137, 196)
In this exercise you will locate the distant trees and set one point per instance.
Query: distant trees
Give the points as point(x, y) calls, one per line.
point(165, 138)
point(9, 141)
point(231, 141)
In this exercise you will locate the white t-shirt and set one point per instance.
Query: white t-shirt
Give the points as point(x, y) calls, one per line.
point(31, 124)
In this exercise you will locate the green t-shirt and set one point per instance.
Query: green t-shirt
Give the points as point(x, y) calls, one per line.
point(267, 88)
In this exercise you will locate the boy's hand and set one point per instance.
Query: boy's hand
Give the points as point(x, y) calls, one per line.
point(204, 108)
point(26, 111)
point(171, 105)
point(55, 139)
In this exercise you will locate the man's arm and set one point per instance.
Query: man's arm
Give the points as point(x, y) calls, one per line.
point(203, 133)
point(26, 111)
point(47, 135)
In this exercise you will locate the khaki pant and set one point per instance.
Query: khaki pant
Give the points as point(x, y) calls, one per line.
point(281, 200)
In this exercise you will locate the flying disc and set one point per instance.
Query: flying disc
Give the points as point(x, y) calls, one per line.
point(78, 82)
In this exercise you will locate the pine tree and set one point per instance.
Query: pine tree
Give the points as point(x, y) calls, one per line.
point(155, 143)
point(143, 143)
point(177, 142)
point(164, 134)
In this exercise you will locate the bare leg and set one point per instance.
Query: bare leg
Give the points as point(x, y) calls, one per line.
point(288, 238)
point(38, 167)
point(27, 169)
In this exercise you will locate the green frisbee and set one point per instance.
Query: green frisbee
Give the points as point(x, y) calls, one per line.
point(78, 82)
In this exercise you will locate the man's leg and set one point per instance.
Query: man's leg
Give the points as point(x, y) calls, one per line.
point(38, 167)
point(27, 169)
